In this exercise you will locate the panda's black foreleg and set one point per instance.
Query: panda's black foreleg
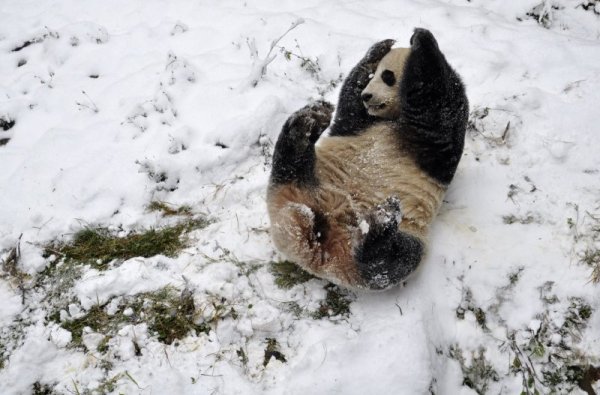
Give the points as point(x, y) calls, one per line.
point(432, 94)
point(294, 156)
point(387, 255)
point(351, 115)
point(434, 108)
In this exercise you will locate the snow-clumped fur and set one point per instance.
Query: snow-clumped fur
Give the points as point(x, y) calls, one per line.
point(393, 149)
point(183, 103)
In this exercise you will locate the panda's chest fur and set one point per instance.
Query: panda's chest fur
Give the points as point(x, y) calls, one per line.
point(357, 173)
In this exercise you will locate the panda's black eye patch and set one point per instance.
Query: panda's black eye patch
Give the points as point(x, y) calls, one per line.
point(388, 77)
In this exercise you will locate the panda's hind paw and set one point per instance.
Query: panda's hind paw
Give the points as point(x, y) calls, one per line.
point(388, 213)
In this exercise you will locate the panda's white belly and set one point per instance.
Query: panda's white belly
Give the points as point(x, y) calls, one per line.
point(368, 169)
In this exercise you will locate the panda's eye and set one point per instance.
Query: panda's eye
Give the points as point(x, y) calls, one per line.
point(388, 77)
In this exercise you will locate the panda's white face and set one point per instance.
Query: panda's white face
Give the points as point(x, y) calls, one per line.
point(381, 97)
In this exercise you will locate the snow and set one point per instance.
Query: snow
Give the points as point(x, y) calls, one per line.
point(364, 227)
point(118, 104)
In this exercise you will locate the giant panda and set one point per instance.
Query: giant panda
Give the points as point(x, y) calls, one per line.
point(354, 207)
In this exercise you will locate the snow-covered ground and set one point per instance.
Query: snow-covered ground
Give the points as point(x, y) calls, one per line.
point(117, 104)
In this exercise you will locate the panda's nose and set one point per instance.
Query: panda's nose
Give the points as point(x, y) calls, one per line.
point(366, 97)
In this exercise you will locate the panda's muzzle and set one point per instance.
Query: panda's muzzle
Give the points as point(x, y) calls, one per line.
point(366, 98)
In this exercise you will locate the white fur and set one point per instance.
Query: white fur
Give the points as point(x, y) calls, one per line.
point(385, 102)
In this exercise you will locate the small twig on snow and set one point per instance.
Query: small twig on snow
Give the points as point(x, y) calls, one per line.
point(92, 106)
point(259, 66)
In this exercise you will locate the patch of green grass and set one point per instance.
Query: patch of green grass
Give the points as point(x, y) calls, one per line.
point(42, 389)
point(12, 337)
point(288, 274)
point(514, 277)
point(110, 383)
point(478, 373)
point(102, 347)
point(247, 268)
point(97, 245)
point(577, 315)
point(172, 316)
point(523, 220)
point(585, 227)
point(337, 303)
point(10, 269)
point(294, 308)
point(549, 359)
point(521, 365)
point(241, 354)
point(272, 351)
point(467, 304)
point(169, 210)
point(547, 355)
point(591, 257)
point(96, 318)
point(169, 314)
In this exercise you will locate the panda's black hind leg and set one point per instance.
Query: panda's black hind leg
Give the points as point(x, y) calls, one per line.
point(387, 255)
point(294, 156)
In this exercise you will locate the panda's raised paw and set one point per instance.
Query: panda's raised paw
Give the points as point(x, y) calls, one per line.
point(378, 51)
point(422, 38)
point(308, 123)
point(322, 111)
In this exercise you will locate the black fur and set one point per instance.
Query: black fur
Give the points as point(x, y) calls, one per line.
point(434, 109)
point(388, 77)
point(320, 227)
point(351, 116)
point(387, 256)
point(294, 156)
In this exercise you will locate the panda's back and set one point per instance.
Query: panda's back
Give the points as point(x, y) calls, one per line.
point(360, 172)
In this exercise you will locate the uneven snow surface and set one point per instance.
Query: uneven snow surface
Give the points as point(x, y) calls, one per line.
point(117, 104)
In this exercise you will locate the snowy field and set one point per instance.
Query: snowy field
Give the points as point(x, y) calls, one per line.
point(145, 115)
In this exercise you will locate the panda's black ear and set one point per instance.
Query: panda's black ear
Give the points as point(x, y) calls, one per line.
point(422, 38)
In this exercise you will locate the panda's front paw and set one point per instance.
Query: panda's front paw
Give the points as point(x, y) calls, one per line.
point(308, 123)
point(378, 51)
point(321, 111)
point(422, 38)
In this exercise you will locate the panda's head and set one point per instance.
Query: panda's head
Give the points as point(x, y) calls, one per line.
point(381, 97)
